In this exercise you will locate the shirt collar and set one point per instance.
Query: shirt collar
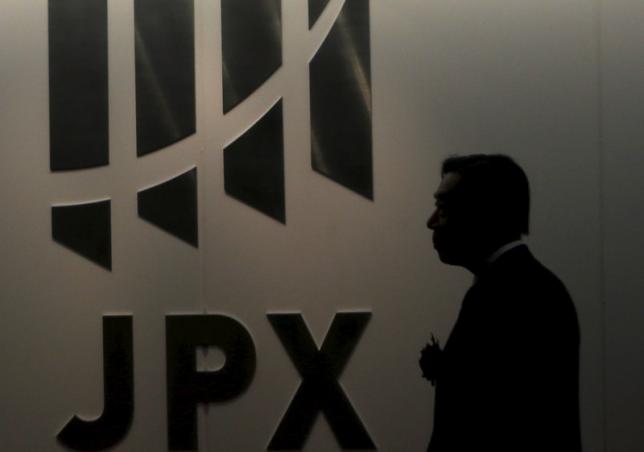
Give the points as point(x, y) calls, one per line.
point(498, 253)
point(501, 251)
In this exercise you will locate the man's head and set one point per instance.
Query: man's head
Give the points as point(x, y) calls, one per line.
point(482, 203)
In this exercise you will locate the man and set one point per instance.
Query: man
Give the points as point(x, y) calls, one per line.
point(507, 378)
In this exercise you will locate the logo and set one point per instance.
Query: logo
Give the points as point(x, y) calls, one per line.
point(166, 113)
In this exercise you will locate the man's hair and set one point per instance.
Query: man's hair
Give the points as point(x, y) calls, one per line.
point(497, 184)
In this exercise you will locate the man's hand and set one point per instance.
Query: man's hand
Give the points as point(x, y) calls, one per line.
point(429, 361)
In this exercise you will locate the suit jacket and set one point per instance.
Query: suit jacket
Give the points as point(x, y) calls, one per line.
point(508, 375)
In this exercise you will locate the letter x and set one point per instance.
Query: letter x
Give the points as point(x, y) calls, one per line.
point(320, 389)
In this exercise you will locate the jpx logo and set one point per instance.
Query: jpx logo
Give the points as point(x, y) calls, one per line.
point(251, 35)
point(166, 113)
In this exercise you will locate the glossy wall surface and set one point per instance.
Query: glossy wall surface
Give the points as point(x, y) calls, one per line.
point(558, 85)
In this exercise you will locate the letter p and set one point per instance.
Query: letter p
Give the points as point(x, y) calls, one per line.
point(186, 386)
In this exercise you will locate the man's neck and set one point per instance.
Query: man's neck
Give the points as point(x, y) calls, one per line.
point(491, 253)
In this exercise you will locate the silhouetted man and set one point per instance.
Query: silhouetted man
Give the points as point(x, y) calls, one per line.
point(507, 378)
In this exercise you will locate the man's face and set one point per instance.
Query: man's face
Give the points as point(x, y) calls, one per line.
point(452, 222)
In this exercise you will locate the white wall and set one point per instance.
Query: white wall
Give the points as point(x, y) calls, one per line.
point(547, 82)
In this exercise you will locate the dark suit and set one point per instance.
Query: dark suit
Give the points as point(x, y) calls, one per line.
point(508, 375)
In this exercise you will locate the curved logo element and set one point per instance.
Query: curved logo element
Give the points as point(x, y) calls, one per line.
point(165, 73)
point(340, 96)
point(78, 110)
point(251, 34)
point(340, 73)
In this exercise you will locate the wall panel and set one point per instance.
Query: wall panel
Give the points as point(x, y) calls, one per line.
point(623, 137)
point(446, 77)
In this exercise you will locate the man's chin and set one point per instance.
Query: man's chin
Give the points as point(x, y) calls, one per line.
point(447, 258)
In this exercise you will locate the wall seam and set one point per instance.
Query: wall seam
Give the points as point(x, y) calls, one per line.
point(599, 36)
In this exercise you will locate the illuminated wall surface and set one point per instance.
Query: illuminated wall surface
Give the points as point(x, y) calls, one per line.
point(240, 187)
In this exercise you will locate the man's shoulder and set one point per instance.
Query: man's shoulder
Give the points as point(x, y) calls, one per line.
point(520, 264)
point(524, 293)
point(518, 274)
